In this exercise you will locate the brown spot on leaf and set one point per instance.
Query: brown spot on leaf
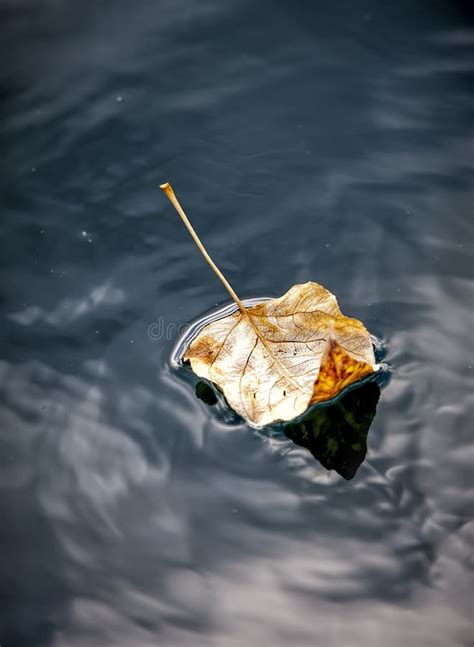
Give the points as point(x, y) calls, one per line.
point(338, 370)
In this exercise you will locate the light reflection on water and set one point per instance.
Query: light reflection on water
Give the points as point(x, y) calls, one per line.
point(131, 514)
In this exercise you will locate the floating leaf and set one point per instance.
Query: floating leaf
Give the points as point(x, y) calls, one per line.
point(275, 359)
point(283, 355)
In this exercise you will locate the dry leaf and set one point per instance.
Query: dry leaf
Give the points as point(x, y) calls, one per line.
point(282, 355)
point(275, 359)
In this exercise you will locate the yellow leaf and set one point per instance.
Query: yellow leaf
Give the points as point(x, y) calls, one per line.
point(284, 355)
point(275, 359)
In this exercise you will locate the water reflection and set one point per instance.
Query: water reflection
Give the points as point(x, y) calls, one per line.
point(336, 433)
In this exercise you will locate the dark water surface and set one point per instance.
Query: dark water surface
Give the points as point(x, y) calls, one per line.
point(309, 141)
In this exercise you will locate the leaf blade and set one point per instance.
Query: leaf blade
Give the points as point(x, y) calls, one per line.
point(274, 380)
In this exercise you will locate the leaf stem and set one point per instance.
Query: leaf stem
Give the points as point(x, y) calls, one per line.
point(170, 194)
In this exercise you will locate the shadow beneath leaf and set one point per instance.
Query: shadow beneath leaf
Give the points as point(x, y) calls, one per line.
point(336, 433)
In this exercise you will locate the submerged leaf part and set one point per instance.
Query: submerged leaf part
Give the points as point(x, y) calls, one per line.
point(276, 358)
point(336, 434)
